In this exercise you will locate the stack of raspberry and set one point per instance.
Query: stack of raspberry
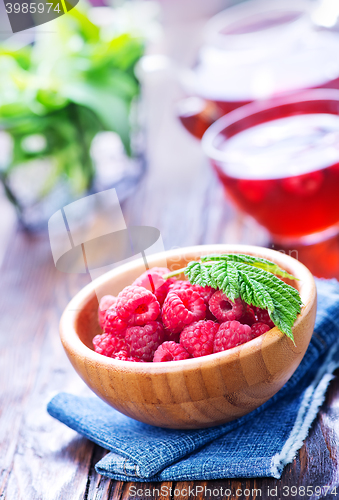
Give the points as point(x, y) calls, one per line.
point(156, 319)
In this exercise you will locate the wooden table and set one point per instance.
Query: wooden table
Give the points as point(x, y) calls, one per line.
point(41, 459)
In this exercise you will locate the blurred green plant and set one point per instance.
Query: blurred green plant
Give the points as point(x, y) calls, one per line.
point(59, 92)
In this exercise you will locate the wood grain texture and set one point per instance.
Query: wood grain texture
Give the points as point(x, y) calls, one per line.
point(35, 452)
point(41, 459)
point(194, 393)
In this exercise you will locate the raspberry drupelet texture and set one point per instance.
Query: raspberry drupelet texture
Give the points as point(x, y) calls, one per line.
point(137, 306)
point(113, 324)
point(107, 344)
point(179, 285)
point(225, 309)
point(124, 356)
point(105, 303)
point(170, 351)
point(143, 341)
point(181, 308)
point(231, 334)
point(262, 316)
point(205, 292)
point(198, 338)
point(258, 329)
point(193, 321)
point(153, 281)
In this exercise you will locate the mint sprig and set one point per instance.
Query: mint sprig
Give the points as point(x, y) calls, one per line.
point(259, 262)
point(253, 279)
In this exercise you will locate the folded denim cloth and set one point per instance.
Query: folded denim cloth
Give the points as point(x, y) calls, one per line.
point(259, 444)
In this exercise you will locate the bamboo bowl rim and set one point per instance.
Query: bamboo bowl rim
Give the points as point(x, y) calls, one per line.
point(73, 343)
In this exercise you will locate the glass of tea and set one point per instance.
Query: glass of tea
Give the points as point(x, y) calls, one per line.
point(256, 50)
point(278, 161)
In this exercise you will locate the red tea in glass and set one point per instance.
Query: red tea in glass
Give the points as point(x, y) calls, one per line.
point(279, 162)
point(258, 50)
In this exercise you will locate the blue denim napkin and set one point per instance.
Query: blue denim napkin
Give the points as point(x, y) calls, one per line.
point(259, 444)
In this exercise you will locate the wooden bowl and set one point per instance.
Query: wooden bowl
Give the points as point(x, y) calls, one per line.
point(193, 393)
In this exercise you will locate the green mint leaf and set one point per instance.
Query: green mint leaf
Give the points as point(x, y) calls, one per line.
point(270, 293)
point(256, 294)
point(198, 274)
point(288, 295)
point(225, 276)
point(232, 280)
point(238, 276)
point(259, 262)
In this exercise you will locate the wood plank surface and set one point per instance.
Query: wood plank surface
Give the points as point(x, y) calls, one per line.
point(41, 459)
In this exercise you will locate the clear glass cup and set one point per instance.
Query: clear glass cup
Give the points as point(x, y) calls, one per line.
point(278, 161)
point(257, 50)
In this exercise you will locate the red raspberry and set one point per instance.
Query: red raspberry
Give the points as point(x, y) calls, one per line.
point(248, 316)
point(105, 303)
point(145, 279)
point(262, 316)
point(124, 356)
point(258, 329)
point(137, 306)
point(113, 324)
point(179, 285)
point(181, 308)
point(107, 344)
point(170, 351)
point(225, 309)
point(231, 334)
point(206, 292)
point(152, 280)
point(198, 338)
point(144, 340)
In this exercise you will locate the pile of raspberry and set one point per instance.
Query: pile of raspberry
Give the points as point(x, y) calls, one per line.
point(157, 319)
